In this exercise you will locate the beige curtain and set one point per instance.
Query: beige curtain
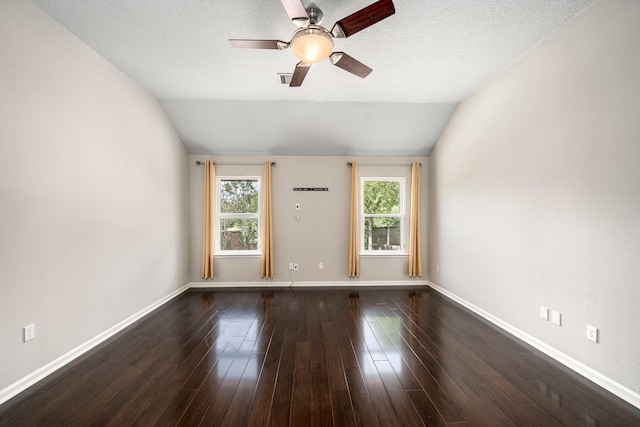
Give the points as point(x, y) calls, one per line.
point(415, 246)
point(354, 225)
point(266, 264)
point(208, 220)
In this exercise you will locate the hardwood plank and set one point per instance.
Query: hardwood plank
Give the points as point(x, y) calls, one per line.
point(434, 381)
point(377, 393)
point(433, 358)
point(518, 414)
point(532, 391)
point(259, 411)
point(229, 384)
point(322, 412)
point(237, 410)
point(568, 390)
point(335, 369)
point(338, 357)
point(427, 412)
point(171, 414)
point(387, 331)
point(211, 356)
point(486, 414)
point(405, 411)
point(339, 314)
point(280, 411)
point(339, 399)
point(148, 408)
point(439, 395)
point(207, 389)
point(363, 406)
point(302, 391)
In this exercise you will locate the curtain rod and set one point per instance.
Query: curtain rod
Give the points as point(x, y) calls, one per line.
point(199, 163)
point(382, 164)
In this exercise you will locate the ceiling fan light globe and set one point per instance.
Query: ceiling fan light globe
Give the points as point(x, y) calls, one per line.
point(312, 44)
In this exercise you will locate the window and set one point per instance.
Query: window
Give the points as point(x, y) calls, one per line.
point(238, 211)
point(382, 215)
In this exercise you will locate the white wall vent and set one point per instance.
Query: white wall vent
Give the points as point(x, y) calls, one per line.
point(285, 78)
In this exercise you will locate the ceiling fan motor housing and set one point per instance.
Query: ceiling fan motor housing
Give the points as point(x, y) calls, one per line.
point(315, 14)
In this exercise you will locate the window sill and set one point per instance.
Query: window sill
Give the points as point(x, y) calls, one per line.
point(384, 254)
point(238, 255)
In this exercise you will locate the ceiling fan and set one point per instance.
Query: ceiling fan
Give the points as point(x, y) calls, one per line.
point(313, 43)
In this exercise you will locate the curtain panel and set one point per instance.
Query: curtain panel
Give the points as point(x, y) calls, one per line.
point(208, 226)
point(415, 244)
point(354, 225)
point(266, 263)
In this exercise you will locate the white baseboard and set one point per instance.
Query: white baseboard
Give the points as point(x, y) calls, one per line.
point(309, 284)
point(39, 374)
point(212, 285)
point(603, 381)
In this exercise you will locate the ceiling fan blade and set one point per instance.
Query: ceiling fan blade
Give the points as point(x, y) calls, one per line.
point(302, 68)
point(296, 11)
point(259, 44)
point(350, 64)
point(363, 18)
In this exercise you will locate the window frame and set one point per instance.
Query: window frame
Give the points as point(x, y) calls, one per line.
point(401, 215)
point(218, 251)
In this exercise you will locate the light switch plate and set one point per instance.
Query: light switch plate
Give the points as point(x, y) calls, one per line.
point(544, 313)
point(556, 317)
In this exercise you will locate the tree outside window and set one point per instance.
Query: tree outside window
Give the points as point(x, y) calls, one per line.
point(238, 215)
point(382, 213)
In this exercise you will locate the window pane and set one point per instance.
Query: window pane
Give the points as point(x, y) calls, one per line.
point(239, 234)
point(381, 197)
point(381, 234)
point(239, 196)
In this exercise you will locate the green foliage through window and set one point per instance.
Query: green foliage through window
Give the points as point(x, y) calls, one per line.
point(239, 234)
point(239, 212)
point(381, 215)
point(239, 196)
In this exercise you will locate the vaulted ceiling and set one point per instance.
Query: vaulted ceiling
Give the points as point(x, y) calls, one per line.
point(426, 58)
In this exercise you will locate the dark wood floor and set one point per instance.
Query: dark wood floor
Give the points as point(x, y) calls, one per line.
point(314, 357)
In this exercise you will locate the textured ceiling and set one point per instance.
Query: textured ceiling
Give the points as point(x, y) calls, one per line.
point(428, 57)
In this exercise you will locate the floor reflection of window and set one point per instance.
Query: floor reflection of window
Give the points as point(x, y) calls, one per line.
point(234, 346)
point(381, 344)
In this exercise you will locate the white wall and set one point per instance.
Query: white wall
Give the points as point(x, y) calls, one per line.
point(535, 192)
point(321, 234)
point(93, 193)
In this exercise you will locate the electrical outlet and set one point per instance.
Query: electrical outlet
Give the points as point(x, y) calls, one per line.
point(290, 266)
point(556, 317)
point(544, 313)
point(320, 265)
point(29, 332)
point(592, 333)
point(295, 267)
